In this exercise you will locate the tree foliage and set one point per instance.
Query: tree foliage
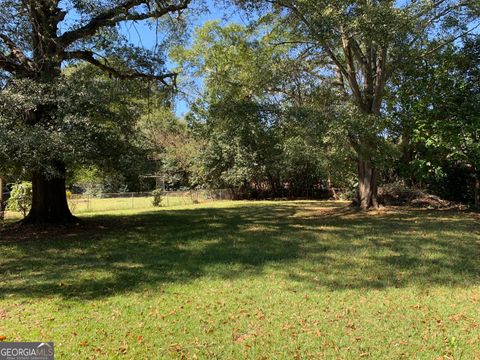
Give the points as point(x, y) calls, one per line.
point(20, 198)
point(54, 116)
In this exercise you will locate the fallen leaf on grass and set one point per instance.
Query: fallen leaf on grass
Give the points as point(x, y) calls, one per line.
point(241, 337)
point(209, 330)
point(260, 315)
point(175, 347)
point(351, 325)
point(457, 317)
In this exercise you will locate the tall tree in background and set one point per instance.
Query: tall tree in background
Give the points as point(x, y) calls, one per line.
point(257, 111)
point(435, 101)
point(38, 36)
point(364, 40)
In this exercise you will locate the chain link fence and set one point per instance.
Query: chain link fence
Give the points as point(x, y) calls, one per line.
point(143, 200)
point(82, 204)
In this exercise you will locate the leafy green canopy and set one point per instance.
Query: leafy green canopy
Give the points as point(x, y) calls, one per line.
point(93, 124)
point(435, 105)
point(261, 113)
point(363, 43)
point(53, 111)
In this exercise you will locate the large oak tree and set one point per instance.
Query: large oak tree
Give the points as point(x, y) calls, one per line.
point(37, 37)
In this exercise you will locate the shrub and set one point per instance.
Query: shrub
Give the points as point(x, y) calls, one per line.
point(20, 198)
point(157, 197)
point(349, 193)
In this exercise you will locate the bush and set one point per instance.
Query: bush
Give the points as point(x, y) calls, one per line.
point(349, 192)
point(157, 197)
point(20, 198)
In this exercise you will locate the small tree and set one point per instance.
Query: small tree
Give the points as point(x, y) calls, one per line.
point(21, 198)
point(157, 197)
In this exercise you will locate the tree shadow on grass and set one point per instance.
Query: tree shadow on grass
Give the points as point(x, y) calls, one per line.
point(313, 244)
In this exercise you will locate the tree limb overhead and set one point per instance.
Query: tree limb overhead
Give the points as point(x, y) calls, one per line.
point(116, 15)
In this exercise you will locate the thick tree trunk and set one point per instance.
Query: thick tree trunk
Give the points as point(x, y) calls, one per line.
point(49, 202)
point(49, 198)
point(367, 185)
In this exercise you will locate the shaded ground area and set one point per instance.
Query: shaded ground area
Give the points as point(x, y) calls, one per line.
point(248, 280)
point(315, 244)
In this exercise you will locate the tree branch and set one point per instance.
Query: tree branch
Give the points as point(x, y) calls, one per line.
point(351, 75)
point(114, 16)
point(302, 18)
point(89, 57)
point(357, 51)
point(449, 41)
point(9, 65)
point(380, 81)
point(16, 55)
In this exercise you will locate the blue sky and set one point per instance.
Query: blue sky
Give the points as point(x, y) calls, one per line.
point(142, 34)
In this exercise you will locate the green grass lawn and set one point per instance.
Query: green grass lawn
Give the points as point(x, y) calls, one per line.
point(248, 280)
point(93, 204)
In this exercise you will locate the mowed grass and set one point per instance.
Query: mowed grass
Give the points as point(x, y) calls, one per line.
point(249, 280)
point(92, 204)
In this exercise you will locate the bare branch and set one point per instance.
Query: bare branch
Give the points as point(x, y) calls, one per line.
point(450, 40)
